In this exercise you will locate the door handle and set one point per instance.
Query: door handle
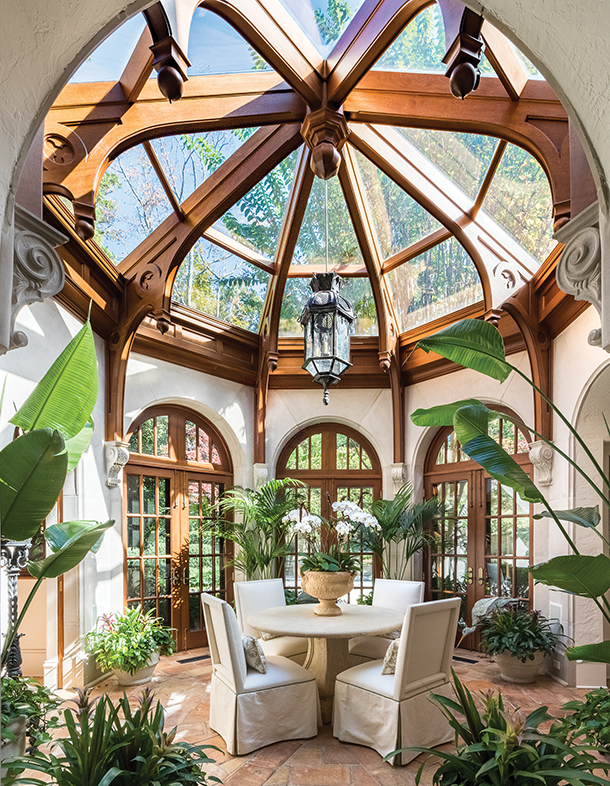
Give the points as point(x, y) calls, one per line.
point(481, 578)
point(176, 577)
point(470, 575)
point(185, 576)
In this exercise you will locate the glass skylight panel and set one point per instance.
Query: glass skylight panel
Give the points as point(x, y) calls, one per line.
point(256, 220)
point(399, 220)
point(221, 285)
point(215, 47)
point(323, 21)
point(343, 248)
point(420, 46)
point(130, 204)
point(532, 71)
point(519, 200)
point(357, 290)
point(108, 61)
point(188, 159)
point(464, 158)
point(440, 281)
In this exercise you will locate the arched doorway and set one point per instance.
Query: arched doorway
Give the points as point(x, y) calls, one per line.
point(178, 466)
point(337, 463)
point(483, 539)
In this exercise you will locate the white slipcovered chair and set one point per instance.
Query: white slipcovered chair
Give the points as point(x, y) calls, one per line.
point(392, 711)
point(249, 709)
point(253, 596)
point(389, 594)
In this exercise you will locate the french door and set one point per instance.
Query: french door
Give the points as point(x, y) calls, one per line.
point(337, 464)
point(172, 482)
point(482, 541)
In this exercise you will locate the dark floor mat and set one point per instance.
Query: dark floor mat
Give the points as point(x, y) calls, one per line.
point(192, 660)
point(464, 660)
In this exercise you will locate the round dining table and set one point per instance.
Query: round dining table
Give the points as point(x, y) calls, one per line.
point(327, 652)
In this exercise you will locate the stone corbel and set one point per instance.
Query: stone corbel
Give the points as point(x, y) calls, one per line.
point(38, 272)
point(541, 456)
point(261, 474)
point(579, 269)
point(116, 455)
point(399, 475)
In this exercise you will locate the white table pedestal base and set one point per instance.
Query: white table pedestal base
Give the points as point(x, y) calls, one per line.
point(325, 659)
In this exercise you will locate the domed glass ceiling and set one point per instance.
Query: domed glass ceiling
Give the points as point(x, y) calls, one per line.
point(393, 212)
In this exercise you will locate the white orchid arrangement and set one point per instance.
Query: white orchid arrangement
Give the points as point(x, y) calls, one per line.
point(329, 540)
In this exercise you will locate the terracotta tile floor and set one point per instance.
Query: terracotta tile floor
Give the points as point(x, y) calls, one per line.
point(183, 689)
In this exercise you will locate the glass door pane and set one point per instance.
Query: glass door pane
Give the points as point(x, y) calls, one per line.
point(148, 544)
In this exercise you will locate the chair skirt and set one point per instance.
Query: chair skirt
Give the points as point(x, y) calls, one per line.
point(248, 721)
point(379, 722)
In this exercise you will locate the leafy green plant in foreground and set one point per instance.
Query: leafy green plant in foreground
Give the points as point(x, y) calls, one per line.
point(478, 345)
point(503, 747)
point(106, 745)
point(25, 696)
point(520, 631)
point(589, 718)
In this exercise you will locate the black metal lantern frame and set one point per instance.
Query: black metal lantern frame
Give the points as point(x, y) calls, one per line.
point(327, 319)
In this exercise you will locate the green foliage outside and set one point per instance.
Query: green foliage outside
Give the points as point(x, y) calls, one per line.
point(102, 744)
point(498, 746)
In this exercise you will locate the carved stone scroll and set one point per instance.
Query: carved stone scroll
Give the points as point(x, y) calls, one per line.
point(579, 269)
point(261, 474)
point(116, 455)
point(541, 456)
point(38, 272)
point(399, 475)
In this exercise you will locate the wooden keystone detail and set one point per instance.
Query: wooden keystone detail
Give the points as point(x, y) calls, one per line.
point(325, 131)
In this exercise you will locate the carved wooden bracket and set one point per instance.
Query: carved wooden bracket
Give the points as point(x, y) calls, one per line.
point(171, 65)
point(464, 47)
point(38, 272)
point(325, 131)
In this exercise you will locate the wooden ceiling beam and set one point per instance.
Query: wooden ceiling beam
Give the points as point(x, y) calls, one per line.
point(504, 61)
point(423, 245)
point(239, 249)
point(138, 69)
point(346, 270)
point(169, 193)
point(270, 29)
point(372, 30)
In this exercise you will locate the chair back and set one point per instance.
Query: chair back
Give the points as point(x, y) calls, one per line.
point(253, 596)
point(398, 595)
point(426, 647)
point(224, 639)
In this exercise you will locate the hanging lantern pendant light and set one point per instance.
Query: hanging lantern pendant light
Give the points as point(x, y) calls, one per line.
point(327, 319)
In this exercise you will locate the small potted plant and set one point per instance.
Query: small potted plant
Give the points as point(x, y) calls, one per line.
point(589, 718)
point(328, 570)
point(25, 707)
point(130, 645)
point(518, 639)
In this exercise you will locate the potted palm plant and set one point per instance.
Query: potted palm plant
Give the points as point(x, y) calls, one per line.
point(328, 570)
point(256, 526)
point(401, 532)
point(518, 639)
point(130, 644)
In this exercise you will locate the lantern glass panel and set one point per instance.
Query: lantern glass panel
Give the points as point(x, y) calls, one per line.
point(343, 334)
point(324, 333)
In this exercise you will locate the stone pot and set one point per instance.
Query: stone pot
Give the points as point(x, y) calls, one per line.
point(514, 670)
point(11, 749)
point(141, 677)
point(327, 587)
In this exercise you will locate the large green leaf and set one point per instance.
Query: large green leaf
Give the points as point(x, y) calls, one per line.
point(441, 415)
point(471, 421)
point(83, 537)
point(577, 573)
point(64, 398)
point(596, 653)
point(33, 471)
point(486, 452)
point(79, 444)
point(58, 535)
point(471, 343)
point(584, 517)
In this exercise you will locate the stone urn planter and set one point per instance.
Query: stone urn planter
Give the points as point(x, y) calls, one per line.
point(327, 587)
point(514, 670)
point(141, 677)
point(11, 749)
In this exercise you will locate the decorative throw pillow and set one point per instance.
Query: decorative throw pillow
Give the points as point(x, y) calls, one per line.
point(255, 657)
point(389, 661)
point(268, 636)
